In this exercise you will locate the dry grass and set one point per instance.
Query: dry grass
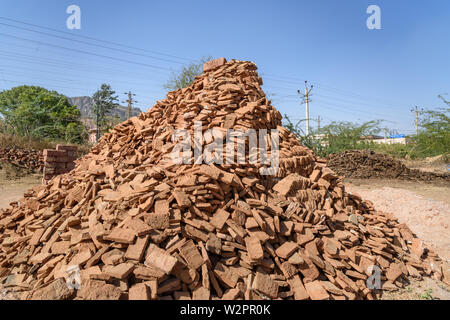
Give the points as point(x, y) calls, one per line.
point(19, 142)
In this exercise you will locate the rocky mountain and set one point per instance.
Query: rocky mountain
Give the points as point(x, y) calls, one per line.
point(84, 104)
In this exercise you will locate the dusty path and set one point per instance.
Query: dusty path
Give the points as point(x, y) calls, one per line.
point(425, 208)
point(12, 190)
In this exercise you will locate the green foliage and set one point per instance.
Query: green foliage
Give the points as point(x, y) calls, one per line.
point(104, 101)
point(186, 75)
point(75, 133)
point(312, 141)
point(37, 112)
point(434, 137)
point(111, 122)
point(336, 137)
point(427, 295)
point(346, 135)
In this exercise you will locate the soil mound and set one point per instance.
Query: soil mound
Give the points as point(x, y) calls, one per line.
point(367, 164)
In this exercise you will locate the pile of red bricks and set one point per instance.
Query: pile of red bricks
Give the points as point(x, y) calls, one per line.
point(139, 226)
point(24, 158)
point(58, 161)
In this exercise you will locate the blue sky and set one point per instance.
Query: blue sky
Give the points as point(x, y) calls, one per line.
point(358, 74)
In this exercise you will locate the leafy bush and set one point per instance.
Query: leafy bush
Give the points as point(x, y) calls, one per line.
point(186, 75)
point(337, 136)
point(433, 138)
point(39, 113)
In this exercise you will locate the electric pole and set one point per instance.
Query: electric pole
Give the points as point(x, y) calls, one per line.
point(417, 112)
point(97, 123)
point(306, 101)
point(130, 102)
point(318, 124)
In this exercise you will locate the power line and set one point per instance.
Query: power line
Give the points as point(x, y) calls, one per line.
point(348, 107)
point(348, 104)
point(359, 103)
point(56, 86)
point(319, 84)
point(63, 64)
point(98, 40)
point(85, 52)
point(368, 103)
point(83, 77)
point(91, 44)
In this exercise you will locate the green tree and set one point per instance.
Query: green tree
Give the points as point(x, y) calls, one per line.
point(37, 112)
point(186, 75)
point(337, 136)
point(104, 100)
point(344, 135)
point(434, 137)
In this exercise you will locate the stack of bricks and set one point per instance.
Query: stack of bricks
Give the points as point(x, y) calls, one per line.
point(58, 161)
point(139, 226)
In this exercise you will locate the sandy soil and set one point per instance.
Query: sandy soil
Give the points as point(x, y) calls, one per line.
point(12, 190)
point(436, 164)
point(425, 208)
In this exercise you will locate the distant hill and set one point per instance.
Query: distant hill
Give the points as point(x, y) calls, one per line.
point(84, 104)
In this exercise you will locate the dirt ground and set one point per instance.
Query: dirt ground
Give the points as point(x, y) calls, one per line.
point(425, 208)
point(12, 190)
point(438, 164)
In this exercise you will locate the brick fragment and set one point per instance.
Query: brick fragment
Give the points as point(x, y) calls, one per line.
point(254, 248)
point(286, 249)
point(265, 285)
point(121, 236)
point(291, 184)
point(159, 259)
point(298, 288)
point(139, 291)
point(120, 271)
point(214, 64)
point(316, 291)
point(157, 220)
point(182, 199)
point(191, 254)
point(219, 218)
point(136, 251)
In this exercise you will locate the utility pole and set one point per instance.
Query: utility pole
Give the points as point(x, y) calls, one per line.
point(318, 124)
point(417, 112)
point(306, 101)
point(130, 102)
point(97, 123)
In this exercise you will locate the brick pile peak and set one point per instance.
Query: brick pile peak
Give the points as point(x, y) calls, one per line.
point(139, 226)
